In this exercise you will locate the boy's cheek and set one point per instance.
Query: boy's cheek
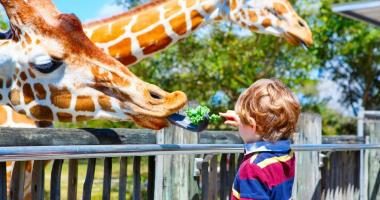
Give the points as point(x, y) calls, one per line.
point(245, 132)
point(248, 134)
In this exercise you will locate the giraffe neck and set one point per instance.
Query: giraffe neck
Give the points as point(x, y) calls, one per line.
point(132, 36)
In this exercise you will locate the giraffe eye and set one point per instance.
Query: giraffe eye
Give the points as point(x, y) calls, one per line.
point(46, 64)
point(301, 24)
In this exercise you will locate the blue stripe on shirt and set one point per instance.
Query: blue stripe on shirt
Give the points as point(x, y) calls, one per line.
point(251, 188)
point(282, 190)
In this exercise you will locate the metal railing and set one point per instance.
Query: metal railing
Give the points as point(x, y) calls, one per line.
point(24, 153)
point(218, 155)
point(90, 152)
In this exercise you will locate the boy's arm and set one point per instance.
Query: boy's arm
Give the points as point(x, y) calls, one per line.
point(248, 184)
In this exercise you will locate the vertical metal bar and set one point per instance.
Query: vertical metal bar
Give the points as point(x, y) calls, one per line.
point(205, 178)
point(151, 176)
point(213, 178)
point(360, 133)
point(55, 183)
point(123, 178)
point(136, 178)
point(107, 178)
point(72, 180)
point(240, 159)
point(18, 180)
point(38, 178)
point(231, 173)
point(87, 187)
point(3, 180)
point(223, 177)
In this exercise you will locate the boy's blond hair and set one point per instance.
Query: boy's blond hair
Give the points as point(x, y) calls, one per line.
point(273, 106)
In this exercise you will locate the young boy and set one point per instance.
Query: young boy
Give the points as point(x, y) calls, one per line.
point(266, 115)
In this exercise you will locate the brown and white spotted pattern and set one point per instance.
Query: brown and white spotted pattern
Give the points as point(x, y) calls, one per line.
point(50, 71)
point(9, 118)
point(152, 27)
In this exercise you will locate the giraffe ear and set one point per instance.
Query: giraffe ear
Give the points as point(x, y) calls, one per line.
point(70, 22)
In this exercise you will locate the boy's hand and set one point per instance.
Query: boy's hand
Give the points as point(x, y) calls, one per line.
point(232, 118)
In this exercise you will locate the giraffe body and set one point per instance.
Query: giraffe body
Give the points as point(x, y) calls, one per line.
point(150, 28)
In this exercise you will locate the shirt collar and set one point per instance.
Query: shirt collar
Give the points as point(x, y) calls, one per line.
point(263, 146)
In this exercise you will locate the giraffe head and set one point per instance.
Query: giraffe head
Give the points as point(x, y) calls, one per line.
point(50, 71)
point(275, 17)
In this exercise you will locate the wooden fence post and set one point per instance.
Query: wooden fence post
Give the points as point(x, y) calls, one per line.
point(373, 161)
point(307, 183)
point(175, 174)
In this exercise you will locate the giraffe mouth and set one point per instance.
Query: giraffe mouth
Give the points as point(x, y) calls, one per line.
point(159, 107)
point(298, 41)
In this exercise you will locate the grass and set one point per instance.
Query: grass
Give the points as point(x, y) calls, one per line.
point(98, 180)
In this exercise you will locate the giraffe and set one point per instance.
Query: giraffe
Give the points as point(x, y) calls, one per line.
point(50, 71)
point(154, 26)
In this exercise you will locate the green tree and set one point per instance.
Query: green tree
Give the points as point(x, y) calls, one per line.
point(349, 51)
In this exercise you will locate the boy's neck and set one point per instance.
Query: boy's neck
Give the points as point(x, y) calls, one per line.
point(253, 139)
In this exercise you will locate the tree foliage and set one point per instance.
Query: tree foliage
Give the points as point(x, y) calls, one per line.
point(349, 52)
point(214, 65)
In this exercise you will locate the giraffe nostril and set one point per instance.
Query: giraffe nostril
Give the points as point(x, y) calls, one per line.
point(155, 95)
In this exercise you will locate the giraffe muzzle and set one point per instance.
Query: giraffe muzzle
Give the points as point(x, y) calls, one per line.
point(296, 40)
point(159, 103)
point(149, 100)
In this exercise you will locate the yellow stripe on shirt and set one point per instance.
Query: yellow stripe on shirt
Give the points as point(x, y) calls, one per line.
point(272, 160)
point(235, 193)
point(253, 158)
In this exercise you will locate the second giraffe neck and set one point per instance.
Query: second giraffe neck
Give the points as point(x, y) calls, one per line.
point(150, 28)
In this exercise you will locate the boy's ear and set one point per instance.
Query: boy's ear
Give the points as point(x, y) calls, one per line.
point(252, 122)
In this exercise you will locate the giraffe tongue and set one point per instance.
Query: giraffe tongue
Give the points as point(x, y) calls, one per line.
point(184, 122)
point(304, 46)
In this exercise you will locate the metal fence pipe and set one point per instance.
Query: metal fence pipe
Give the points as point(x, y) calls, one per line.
point(100, 151)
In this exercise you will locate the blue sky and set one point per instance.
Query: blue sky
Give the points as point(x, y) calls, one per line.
point(88, 10)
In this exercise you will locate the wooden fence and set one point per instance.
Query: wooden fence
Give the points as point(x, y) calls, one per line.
point(334, 175)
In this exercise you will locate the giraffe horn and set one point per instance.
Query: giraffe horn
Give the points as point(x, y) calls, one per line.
point(6, 35)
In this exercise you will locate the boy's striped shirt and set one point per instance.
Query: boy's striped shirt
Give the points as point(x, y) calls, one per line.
point(267, 172)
